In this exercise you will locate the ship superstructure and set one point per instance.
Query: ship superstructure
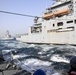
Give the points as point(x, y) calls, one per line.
point(57, 25)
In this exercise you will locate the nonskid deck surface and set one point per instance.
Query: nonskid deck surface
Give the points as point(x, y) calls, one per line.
point(11, 70)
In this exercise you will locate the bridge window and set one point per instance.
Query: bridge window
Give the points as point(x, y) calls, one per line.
point(60, 24)
point(75, 21)
point(70, 21)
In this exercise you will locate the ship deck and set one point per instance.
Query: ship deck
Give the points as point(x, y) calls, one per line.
point(11, 70)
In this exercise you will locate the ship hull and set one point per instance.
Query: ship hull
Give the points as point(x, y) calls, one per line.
point(7, 38)
point(50, 38)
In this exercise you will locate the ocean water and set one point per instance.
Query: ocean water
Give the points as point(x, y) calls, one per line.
point(53, 59)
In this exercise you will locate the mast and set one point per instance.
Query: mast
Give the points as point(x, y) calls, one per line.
point(7, 32)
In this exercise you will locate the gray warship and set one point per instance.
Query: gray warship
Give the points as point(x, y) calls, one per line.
point(57, 25)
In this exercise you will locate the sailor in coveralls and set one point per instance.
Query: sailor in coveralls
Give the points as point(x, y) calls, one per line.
point(73, 66)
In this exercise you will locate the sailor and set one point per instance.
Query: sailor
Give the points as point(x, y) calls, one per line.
point(39, 72)
point(1, 56)
point(73, 66)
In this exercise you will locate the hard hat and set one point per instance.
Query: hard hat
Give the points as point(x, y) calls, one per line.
point(73, 62)
point(39, 72)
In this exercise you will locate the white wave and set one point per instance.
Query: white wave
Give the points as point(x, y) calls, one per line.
point(65, 46)
point(31, 45)
point(57, 58)
point(70, 46)
point(45, 48)
point(18, 45)
point(21, 45)
point(40, 53)
point(11, 45)
point(7, 51)
point(36, 62)
point(15, 44)
point(56, 74)
point(19, 56)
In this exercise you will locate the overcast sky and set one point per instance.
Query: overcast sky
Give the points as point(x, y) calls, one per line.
point(18, 24)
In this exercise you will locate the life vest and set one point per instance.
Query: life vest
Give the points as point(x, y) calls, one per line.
point(72, 73)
